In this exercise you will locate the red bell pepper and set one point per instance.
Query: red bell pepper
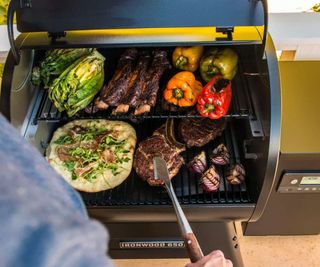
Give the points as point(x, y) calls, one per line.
point(215, 98)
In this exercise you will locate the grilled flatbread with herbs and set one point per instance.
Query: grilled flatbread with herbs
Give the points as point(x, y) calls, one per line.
point(93, 155)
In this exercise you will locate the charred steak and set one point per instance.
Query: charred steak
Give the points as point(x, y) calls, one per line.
point(157, 145)
point(200, 131)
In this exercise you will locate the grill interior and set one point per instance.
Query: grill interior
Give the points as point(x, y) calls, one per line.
point(134, 191)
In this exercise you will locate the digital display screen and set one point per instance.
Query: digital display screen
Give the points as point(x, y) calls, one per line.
point(310, 180)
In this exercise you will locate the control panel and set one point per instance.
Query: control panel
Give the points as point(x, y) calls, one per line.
point(304, 182)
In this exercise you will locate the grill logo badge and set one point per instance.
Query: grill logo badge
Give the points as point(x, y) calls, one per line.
point(151, 244)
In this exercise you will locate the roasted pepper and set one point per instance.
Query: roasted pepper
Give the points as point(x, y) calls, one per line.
point(183, 89)
point(219, 61)
point(215, 98)
point(187, 58)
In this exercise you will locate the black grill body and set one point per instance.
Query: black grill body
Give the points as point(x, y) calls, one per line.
point(134, 205)
point(246, 136)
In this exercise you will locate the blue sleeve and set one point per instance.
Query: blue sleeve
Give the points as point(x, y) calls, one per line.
point(43, 220)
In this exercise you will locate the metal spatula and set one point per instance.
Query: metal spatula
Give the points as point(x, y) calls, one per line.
point(190, 240)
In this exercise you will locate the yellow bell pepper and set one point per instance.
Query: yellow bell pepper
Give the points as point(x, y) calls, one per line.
point(187, 58)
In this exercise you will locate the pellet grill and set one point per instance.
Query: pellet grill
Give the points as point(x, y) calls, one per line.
point(140, 219)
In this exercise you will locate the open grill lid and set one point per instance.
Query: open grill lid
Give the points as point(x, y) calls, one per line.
point(64, 15)
point(62, 18)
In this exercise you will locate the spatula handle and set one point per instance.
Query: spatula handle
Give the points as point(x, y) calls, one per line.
point(192, 245)
point(190, 240)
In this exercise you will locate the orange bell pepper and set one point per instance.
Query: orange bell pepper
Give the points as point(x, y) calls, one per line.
point(183, 89)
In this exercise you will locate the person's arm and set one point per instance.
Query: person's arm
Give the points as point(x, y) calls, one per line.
point(214, 259)
point(43, 220)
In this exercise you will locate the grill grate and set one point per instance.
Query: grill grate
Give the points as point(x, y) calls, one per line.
point(134, 191)
point(241, 107)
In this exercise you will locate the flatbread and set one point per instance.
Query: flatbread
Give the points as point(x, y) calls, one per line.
point(106, 178)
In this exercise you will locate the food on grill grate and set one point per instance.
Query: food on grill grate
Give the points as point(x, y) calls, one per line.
point(200, 131)
point(223, 61)
point(183, 89)
point(111, 94)
point(133, 85)
point(210, 180)
point(148, 98)
point(54, 63)
point(75, 88)
point(187, 58)
point(157, 145)
point(93, 155)
point(198, 164)
point(220, 155)
point(215, 98)
point(236, 174)
point(136, 85)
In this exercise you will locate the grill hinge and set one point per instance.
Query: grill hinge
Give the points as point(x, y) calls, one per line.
point(256, 127)
point(56, 35)
point(250, 149)
point(25, 3)
point(228, 30)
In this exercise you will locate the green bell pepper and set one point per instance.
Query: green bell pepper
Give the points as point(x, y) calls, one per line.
point(219, 61)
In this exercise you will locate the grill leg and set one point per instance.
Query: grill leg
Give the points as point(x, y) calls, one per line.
point(219, 235)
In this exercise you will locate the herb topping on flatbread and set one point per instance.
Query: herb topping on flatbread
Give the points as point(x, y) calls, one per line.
point(93, 155)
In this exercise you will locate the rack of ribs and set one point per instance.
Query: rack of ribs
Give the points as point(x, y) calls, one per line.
point(148, 98)
point(111, 94)
point(136, 85)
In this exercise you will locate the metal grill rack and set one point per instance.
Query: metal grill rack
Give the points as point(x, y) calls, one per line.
point(241, 107)
point(134, 191)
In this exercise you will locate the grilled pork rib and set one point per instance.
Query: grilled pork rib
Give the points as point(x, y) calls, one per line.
point(136, 85)
point(148, 98)
point(111, 94)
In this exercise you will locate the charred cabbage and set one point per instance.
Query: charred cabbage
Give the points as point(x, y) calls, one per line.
point(75, 88)
point(55, 62)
